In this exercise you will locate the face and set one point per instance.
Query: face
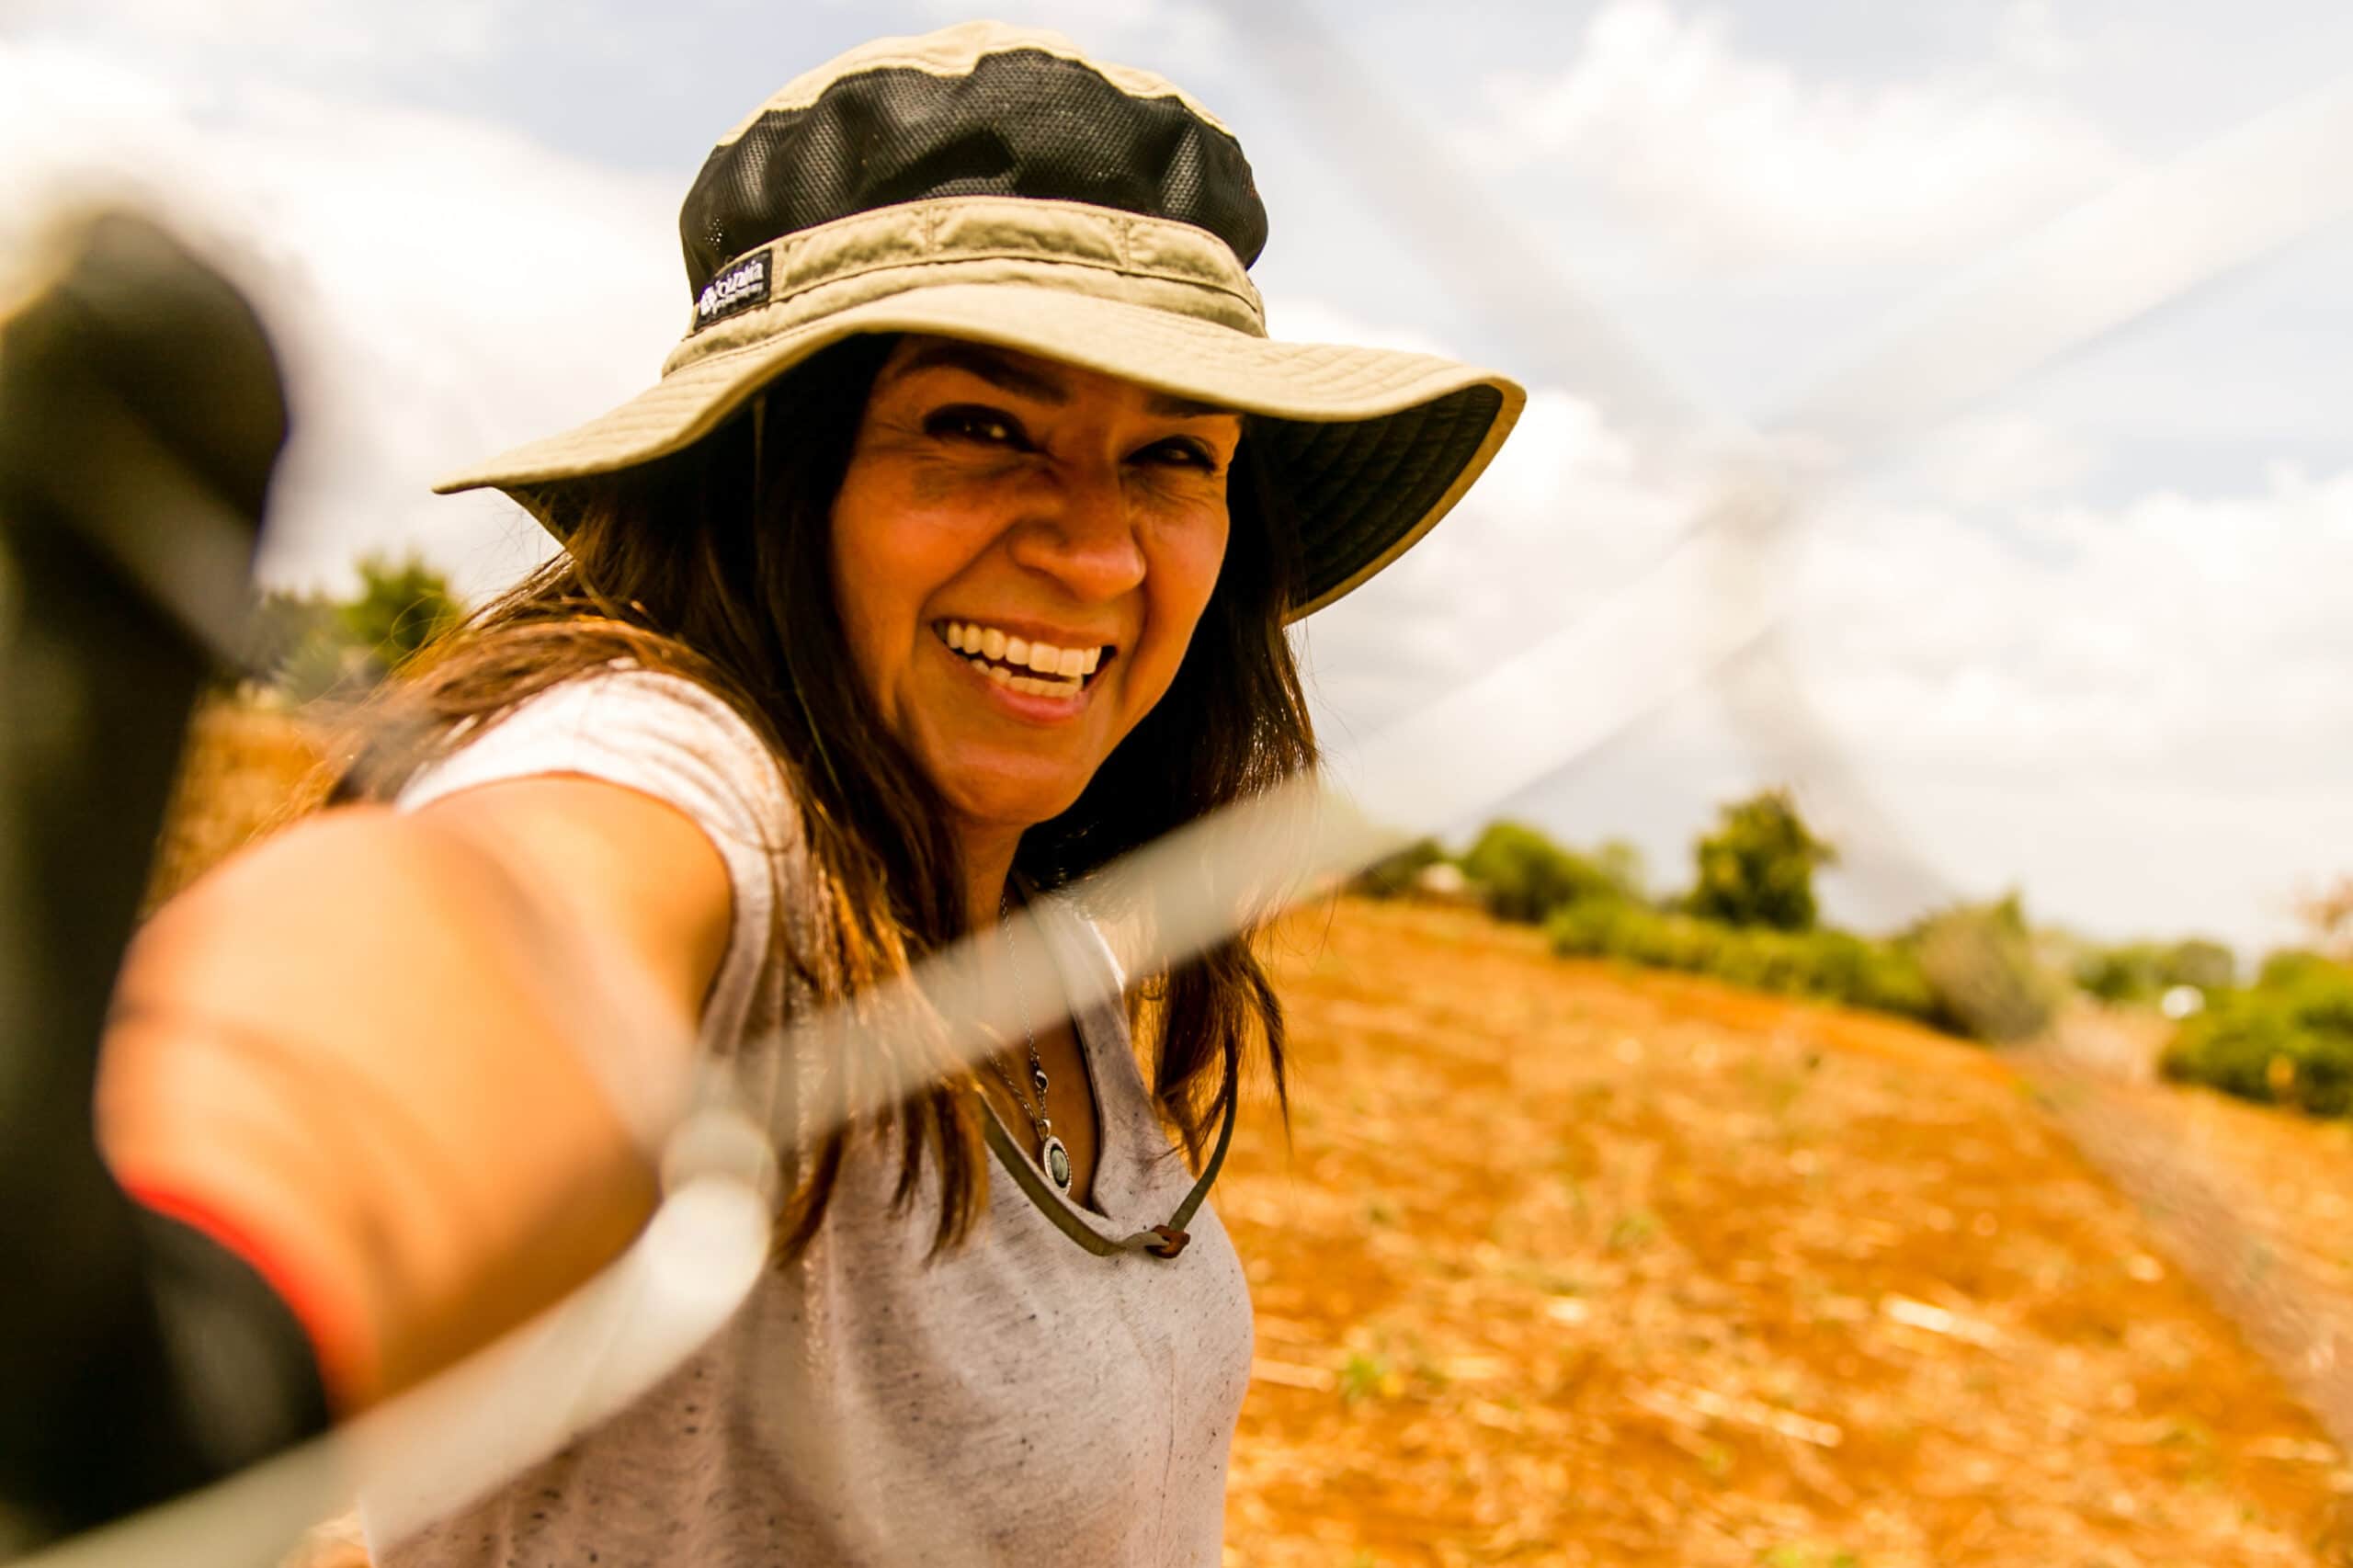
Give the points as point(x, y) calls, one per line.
point(1021, 550)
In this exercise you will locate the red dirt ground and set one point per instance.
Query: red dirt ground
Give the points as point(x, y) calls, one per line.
point(1574, 1264)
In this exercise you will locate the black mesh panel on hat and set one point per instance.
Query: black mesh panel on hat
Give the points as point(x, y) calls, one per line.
point(1021, 123)
point(1356, 487)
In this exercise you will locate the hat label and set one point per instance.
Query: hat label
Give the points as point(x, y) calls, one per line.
point(740, 288)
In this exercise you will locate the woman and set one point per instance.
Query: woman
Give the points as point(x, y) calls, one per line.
point(949, 559)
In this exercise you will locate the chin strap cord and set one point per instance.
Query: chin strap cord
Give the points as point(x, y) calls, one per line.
point(1161, 1241)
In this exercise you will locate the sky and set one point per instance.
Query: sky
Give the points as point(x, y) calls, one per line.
point(2086, 637)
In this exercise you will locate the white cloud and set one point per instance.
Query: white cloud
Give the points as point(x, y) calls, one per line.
point(2137, 712)
point(1993, 459)
point(1570, 510)
point(2031, 36)
point(1733, 158)
point(1165, 36)
point(2204, 640)
point(342, 34)
point(440, 288)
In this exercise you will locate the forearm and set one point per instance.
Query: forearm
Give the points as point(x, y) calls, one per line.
point(354, 1061)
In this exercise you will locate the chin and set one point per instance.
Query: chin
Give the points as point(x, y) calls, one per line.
point(1015, 803)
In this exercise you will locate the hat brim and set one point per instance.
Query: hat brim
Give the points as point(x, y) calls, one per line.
point(1371, 446)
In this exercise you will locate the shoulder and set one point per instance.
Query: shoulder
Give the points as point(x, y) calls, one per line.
point(698, 842)
point(647, 730)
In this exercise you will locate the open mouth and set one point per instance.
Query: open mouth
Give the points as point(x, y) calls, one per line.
point(1039, 669)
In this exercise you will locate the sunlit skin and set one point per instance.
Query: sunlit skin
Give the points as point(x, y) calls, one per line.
point(1052, 503)
point(991, 486)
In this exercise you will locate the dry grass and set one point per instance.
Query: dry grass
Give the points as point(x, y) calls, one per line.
point(247, 771)
point(2299, 1170)
point(1576, 1264)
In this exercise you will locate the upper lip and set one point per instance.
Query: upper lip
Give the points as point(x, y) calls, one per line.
point(1035, 631)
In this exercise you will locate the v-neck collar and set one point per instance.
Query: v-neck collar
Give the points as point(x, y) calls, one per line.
point(1064, 950)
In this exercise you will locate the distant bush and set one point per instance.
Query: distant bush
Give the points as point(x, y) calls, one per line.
point(1980, 960)
point(1622, 862)
point(317, 646)
point(2287, 1039)
point(1398, 874)
point(2144, 971)
point(2292, 967)
point(1832, 966)
point(1757, 868)
point(1751, 920)
point(1522, 875)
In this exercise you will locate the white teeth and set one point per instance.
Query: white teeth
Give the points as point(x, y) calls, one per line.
point(1060, 668)
point(1036, 686)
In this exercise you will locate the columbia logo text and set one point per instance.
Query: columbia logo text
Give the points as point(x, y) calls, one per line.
point(739, 288)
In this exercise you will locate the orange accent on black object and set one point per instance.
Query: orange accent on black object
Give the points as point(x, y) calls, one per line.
point(1172, 1242)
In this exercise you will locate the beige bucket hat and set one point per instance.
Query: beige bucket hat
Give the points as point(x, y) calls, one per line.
point(992, 184)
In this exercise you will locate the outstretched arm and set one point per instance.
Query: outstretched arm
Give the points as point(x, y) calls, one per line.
point(358, 1057)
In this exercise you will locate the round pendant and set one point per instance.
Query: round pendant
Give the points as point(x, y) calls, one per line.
point(1056, 1159)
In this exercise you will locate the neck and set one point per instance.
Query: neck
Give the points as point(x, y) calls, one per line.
point(988, 863)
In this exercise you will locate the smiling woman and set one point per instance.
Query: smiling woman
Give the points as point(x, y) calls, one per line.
point(951, 560)
point(1060, 522)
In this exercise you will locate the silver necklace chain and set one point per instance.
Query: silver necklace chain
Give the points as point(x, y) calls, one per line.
point(1052, 1152)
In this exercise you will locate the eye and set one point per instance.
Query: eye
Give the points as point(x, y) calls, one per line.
point(1181, 451)
point(972, 422)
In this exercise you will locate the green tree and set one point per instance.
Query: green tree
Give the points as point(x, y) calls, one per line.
point(1524, 875)
point(320, 646)
point(400, 608)
point(1757, 868)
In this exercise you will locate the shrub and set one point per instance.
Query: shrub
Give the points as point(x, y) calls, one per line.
point(2144, 971)
point(1622, 862)
point(1832, 966)
point(1757, 868)
point(1524, 875)
point(1397, 874)
point(1979, 961)
point(2210, 966)
point(2292, 967)
point(319, 646)
point(2287, 1039)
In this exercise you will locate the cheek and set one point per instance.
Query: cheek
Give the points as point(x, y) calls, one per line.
point(1184, 575)
point(871, 573)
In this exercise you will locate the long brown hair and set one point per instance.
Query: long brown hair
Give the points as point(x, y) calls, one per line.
point(715, 566)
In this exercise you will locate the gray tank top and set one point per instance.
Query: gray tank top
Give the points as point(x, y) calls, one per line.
point(1018, 1400)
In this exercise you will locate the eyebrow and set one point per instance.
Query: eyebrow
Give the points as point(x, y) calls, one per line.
point(1009, 375)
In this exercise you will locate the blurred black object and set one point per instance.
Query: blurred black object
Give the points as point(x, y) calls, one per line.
point(141, 416)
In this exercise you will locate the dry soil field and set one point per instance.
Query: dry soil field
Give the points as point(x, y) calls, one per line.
point(1569, 1263)
point(1565, 1264)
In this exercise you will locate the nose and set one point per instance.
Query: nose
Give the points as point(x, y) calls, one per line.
point(1082, 532)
